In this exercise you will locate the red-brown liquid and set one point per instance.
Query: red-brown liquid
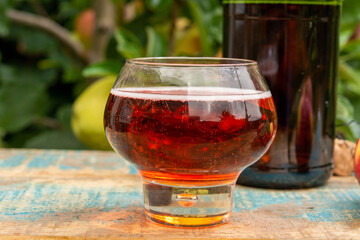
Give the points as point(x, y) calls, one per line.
point(178, 137)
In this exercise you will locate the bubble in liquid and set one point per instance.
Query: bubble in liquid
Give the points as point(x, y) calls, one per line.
point(186, 199)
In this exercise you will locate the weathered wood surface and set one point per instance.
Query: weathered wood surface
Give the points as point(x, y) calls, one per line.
point(90, 194)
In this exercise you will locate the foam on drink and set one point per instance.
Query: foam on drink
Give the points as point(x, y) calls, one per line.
point(191, 93)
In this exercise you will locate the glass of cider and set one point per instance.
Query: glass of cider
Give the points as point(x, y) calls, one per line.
point(190, 126)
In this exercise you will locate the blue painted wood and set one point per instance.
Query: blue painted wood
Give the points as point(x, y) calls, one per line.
point(45, 190)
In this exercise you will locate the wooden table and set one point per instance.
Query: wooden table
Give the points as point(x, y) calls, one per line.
point(48, 194)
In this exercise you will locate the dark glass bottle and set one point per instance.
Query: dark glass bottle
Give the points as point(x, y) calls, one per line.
point(296, 45)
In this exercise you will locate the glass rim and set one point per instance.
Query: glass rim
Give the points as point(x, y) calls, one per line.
point(192, 62)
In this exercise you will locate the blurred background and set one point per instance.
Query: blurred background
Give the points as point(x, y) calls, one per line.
point(59, 59)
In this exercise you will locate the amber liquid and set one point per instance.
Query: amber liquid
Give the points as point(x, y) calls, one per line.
point(178, 137)
point(296, 47)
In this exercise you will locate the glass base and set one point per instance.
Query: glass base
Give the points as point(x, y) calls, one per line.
point(188, 206)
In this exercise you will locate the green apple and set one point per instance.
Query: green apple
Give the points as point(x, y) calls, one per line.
point(88, 114)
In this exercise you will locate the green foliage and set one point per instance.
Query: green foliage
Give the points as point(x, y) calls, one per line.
point(54, 140)
point(101, 69)
point(208, 17)
point(156, 46)
point(350, 14)
point(159, 5)
point(4, 23)
point(348, 103)
point(127, 44)
point(40, 78)
point(23, 97)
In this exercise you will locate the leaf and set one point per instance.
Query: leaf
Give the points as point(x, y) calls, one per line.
point(18, 139)
point(351, 51)
point(138, 28)
point(11, 74)
point(4, 25)
point(68, 10)
point(348, 129)
point(70, 68)
point(7, 74)
point(156, 46)
point(20, 104)
point(344, 38)
point(208, 17)
point(350, 14)
point(356, 104)
point(55, 140)
point(343, 130)
point(117, 1)
point(159, 5)
point(4, 22)
point(350, 77)
point(23, 95)
point(107, 67)
point(345, 116)
point(2, 135)
point(63, 115)
point(33, 41)
point(127, 44)
point(344, 108)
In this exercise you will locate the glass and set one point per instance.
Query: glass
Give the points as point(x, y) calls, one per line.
point(295, 43)
point(190, 126)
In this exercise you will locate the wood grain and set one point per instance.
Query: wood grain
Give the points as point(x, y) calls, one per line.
point(48, 194)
